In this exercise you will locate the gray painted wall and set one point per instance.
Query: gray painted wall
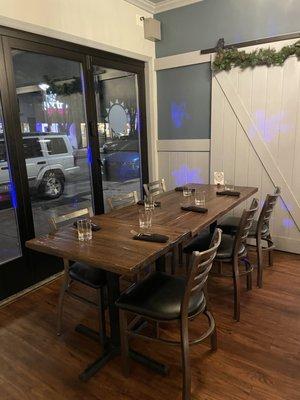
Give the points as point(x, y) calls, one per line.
point(183, 106)
point(200, 25)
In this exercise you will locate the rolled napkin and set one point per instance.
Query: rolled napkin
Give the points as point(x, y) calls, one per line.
point(151, 237)
point(198, 209)
point(229, 193)
point(182, 188)
point(142, 203)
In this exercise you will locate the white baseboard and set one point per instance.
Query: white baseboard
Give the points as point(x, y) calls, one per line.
point(290, 245)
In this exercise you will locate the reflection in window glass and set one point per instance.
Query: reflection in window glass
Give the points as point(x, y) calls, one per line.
point(56, 146)
point(118, 129)
point(32, 148)
point(53, 121)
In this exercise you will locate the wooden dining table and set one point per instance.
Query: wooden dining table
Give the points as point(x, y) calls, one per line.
point(114, 250)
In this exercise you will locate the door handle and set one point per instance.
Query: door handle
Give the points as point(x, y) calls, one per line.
point(41, 162)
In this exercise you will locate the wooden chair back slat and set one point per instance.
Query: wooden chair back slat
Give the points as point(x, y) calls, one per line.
point(155, 188)
point(200, 266)
point(244, 227)
point(123, 200)
point(267, 211)
point(55, 221)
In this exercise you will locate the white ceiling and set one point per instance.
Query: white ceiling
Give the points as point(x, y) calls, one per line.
point(156, 6)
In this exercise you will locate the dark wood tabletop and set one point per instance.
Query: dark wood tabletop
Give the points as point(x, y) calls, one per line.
point(169, 214)
point(112, 247)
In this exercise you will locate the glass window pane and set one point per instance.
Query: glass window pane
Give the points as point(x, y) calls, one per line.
point(9, 234)
point(56, 146)
point(118, 129)
point(53, 123)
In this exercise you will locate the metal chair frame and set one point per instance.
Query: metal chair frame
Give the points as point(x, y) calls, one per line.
point(239, 241)
point(154, 188)
point(200, 266)
point(123, 200)
point(67, 282)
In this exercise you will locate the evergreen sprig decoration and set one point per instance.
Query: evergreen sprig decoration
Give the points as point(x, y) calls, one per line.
point(73, 85)
point(230, 58)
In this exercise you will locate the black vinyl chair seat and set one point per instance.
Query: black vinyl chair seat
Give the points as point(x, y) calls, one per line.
point(230, 225)
point(90, 276)
point(225, 250)
point(200, 243)
point(159, 297)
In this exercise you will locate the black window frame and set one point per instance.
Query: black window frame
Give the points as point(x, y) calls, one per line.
point(26, 271)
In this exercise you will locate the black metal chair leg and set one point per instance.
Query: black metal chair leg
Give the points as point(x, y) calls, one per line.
point(270, 251)
point(63, 289)
point(249, 273)
point(186, 369)
point(259, 262)
point(124, 343)
point(236, 285)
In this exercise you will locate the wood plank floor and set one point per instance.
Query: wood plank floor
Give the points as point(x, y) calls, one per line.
point(258, 358)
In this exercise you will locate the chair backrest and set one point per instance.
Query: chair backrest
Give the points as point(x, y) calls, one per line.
point(244, 227)
point(54, 222)
point(200, 265)
point(155, 188)
point(122, 200)
point(267, 210)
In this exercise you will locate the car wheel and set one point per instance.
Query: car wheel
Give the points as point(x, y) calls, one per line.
point(52, 185)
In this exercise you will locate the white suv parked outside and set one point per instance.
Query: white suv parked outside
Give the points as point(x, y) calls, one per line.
point(49, 162)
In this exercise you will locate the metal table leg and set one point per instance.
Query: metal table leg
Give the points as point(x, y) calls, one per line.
point(160, 264)
point(113, 346)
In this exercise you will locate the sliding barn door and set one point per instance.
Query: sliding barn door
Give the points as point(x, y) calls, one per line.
point(256, 138)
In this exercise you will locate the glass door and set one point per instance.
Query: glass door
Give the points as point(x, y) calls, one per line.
point(117, 102)
point(74, 134)
point(53, 131)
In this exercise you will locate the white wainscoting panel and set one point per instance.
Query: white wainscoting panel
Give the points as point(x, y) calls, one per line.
point(183, 161)
point(256, 139)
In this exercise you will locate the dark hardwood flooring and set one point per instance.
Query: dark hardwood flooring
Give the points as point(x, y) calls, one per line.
point(258, 358)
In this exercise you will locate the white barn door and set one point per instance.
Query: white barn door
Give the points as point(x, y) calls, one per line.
point(255, 138)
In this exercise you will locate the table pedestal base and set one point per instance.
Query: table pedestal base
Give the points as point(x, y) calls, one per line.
point(110, 352)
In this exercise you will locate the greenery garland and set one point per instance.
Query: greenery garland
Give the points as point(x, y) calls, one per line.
point(230, 58)
point(73, 85)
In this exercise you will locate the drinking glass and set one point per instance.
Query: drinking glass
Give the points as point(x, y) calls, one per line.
point(229, 185)
point(187, 191)
point(149, 203)
point(145, 219)
point(84, 229)
point(200, 197)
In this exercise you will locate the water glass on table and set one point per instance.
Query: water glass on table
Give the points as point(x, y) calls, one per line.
point(200, 198)
point(187, 191)
point(149, 203)
point(145, 219)
point(229, 185)
point(84, 229)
